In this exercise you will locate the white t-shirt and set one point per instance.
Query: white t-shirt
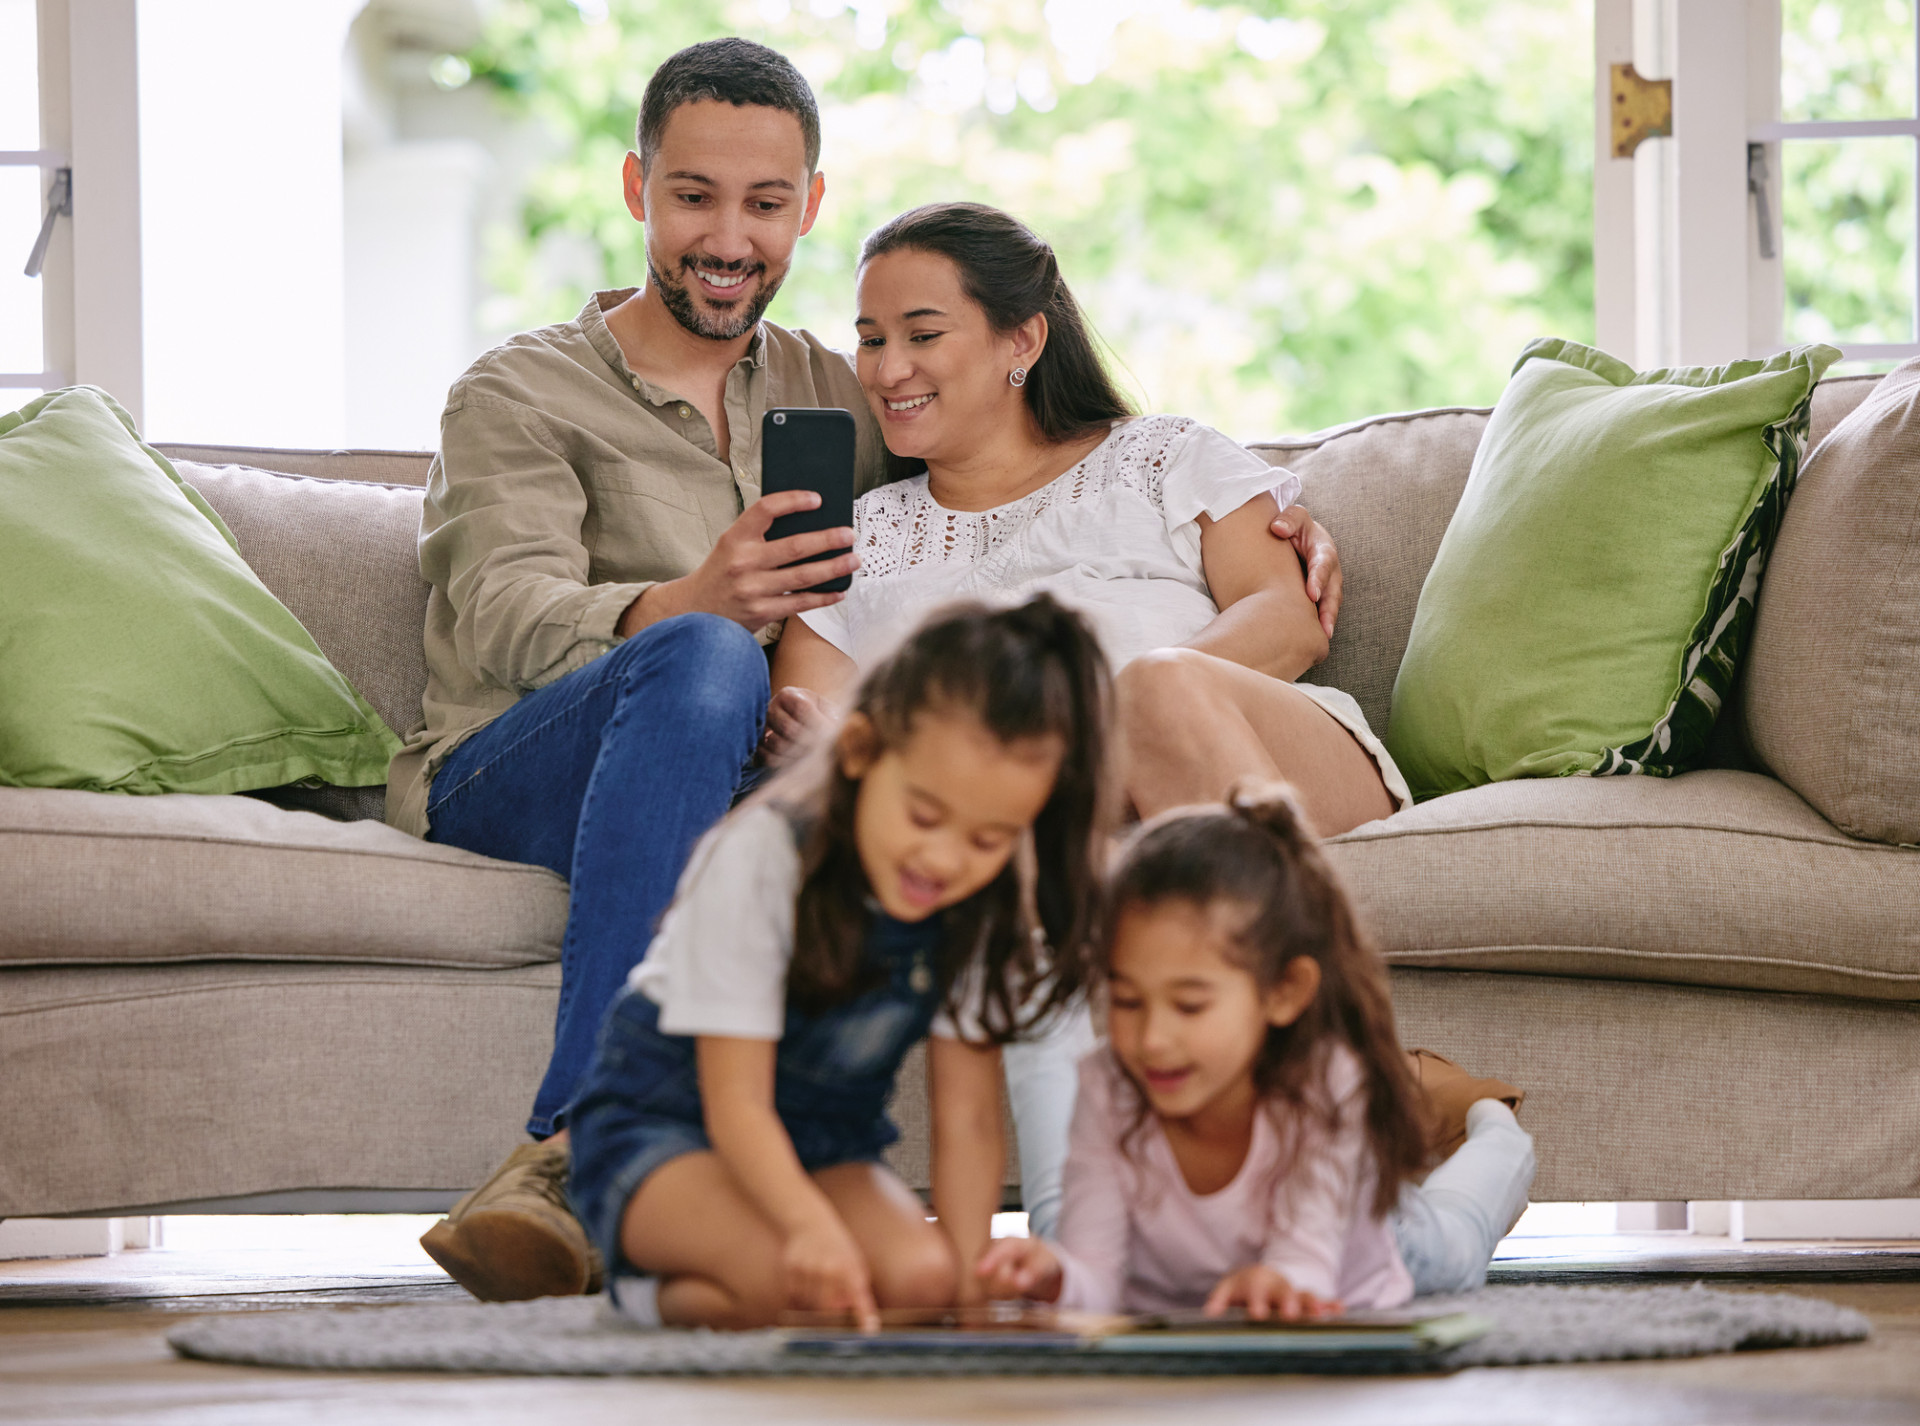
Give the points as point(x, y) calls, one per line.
point(719, 963)
point(1117, 538)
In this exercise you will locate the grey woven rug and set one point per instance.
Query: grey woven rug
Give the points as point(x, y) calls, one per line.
point(581, 1337)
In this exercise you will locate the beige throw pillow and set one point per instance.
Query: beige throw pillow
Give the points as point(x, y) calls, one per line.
point(1832, 702)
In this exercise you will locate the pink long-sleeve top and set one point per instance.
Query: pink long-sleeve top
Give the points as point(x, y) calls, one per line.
point(1135, 1238)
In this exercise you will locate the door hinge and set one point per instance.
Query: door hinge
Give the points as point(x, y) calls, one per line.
point(1642, 109)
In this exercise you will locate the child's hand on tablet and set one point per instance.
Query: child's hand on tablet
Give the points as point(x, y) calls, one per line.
point(825, 1273)
point(1265, 1293)
point(1019, 1267)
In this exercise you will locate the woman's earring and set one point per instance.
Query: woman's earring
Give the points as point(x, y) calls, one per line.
point(1017, 377)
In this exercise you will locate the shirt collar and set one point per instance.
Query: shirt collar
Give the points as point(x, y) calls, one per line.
point(593, 321)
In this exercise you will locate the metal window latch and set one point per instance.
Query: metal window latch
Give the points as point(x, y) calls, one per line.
point(1642, 109)
point(59, 205)
point(1757, 176)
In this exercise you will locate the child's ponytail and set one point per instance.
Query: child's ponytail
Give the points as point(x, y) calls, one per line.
point(1068, 833)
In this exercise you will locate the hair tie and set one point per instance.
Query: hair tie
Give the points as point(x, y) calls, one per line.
point(1270, 808)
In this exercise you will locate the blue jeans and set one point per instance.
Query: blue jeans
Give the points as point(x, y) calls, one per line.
point(608, 776)
point(1043, 1080)
point(1448, 1227)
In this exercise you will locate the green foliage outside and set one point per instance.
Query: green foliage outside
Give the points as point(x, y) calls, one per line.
point(1279, 215)
point(1848, 206)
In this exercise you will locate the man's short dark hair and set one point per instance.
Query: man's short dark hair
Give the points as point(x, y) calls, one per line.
point(729, 71)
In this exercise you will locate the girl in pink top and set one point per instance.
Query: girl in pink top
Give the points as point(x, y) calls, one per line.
point(1250, 1134)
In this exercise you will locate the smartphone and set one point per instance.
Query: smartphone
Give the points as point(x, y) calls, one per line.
point(810, 448)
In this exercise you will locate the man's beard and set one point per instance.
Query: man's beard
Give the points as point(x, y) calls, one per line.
point(719, 327)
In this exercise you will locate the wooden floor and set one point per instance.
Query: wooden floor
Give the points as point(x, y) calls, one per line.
point(82, 1341)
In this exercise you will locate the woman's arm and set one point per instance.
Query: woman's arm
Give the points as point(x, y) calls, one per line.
point(1266, 621)
point(802, 659)
point(824, 1268)
point(810, 678)
point(969, 1149)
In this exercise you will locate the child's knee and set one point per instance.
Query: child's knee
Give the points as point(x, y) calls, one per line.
point(927, 1274)
point(691, 1301)
point(759, 1305)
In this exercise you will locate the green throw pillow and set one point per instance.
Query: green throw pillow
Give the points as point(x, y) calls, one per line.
point(138, 653)
point(1595, 589)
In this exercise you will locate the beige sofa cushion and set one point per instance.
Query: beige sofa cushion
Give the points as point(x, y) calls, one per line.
point(163, 1084)
point(1832, 695)
point(1711, 878)
point(91, 877)
point(341, 555)
point(1670, 1092)
point(1386, 489)
point(1833, 401)
point(384, 467)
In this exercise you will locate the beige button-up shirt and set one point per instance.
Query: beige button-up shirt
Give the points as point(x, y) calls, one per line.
point(565, 485)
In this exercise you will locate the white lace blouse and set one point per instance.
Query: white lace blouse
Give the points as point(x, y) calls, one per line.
point(1116, 537)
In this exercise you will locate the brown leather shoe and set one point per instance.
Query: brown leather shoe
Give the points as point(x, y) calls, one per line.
point(515, 1237)
point(1449, 1092)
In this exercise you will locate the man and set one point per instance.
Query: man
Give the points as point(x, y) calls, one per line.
point(595, 537)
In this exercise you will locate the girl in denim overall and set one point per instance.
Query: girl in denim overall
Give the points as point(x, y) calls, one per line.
point(1251, 1134)
point(931, 871)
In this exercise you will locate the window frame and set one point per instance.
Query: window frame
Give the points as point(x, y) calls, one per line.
point(49, 162)
point(1666, 220)
point(90, 295)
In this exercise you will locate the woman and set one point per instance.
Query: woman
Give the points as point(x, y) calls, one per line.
point(976, 360)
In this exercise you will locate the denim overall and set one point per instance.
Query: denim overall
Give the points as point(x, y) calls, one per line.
point(833, 1074)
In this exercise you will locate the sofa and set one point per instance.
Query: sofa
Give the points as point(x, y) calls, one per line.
point(276, 1002)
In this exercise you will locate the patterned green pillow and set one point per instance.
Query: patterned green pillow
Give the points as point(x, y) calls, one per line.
point(139, 653)
point(1595, 590)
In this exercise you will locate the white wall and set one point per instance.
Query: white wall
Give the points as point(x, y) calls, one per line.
point(410, 287)
point(241, 188)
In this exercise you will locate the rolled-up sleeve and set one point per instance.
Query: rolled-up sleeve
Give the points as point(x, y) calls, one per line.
point(501, 534)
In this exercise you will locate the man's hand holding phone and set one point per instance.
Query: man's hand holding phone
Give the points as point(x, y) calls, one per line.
point(741, 578)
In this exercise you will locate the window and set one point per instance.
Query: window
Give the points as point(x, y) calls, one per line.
point(68, 99)
point(1781, 208)
point(25, 174)
point(1843, 148)
point(161, 286)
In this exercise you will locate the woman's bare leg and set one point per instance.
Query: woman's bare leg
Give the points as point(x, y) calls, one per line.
point(719, 1259)
point(1191, 725)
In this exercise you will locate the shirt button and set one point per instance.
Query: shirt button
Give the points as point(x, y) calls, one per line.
point(685, 411)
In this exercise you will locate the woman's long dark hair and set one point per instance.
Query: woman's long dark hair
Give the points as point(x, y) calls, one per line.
point(1256, 852)
point(1029, 672)
point(1010, 272)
